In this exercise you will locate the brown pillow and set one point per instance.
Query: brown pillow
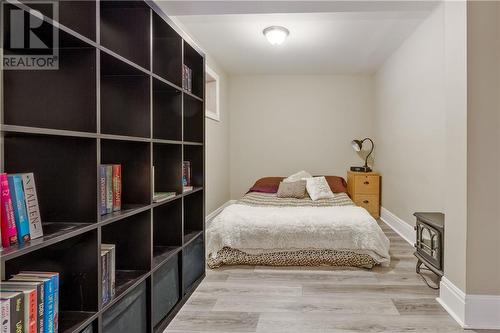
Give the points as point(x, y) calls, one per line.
point(292, 190)
point(337, 184)
point(267, 185)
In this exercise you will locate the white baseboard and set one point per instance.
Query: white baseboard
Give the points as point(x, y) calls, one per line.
point(399, 226)
point(452, 299)
point(216, 212)
point(470, 311)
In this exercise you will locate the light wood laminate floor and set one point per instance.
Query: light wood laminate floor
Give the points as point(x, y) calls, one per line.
point(241, 299)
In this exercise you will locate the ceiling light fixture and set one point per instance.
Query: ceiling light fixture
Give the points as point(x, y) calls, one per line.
point(276, 35)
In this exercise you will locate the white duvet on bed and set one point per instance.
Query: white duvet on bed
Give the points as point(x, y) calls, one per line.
point(258, 230)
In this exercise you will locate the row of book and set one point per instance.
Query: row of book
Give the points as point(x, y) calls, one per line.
point(110, 188)
point(187, 78)
point(29, 303)
point(186, 176)
point(20, 219)
point(108, 269)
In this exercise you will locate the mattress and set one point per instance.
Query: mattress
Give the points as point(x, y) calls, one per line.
point(266, 230)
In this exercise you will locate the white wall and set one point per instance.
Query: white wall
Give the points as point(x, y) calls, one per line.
point(410, 122)
point(217, 148)
point(282, 124)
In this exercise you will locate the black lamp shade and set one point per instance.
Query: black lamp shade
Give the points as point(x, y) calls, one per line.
point(357, 145)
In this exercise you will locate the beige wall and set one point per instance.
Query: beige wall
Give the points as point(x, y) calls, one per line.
point(455, 183)
point(410, 119)
point(282, 124)
point(217, 148)
point(483, 132)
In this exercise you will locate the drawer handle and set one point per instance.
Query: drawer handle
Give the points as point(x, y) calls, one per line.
point(366, 183)
point(366, 201)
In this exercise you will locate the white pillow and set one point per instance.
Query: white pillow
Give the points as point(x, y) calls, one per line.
point(318, 188)
point(297, 176)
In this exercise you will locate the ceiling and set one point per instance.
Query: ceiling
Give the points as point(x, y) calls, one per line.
point(328, 37)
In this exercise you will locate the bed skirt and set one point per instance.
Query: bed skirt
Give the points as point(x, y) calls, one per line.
point(229, 256)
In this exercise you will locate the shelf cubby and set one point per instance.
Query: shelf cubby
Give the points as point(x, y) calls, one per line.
point(131, 313)
point(167, 51)
point(76, 260)
point(195, 62)
point(125, 99)
point(78, 15)
point(65, 174)
point(193, 119)
point(167, 162)
point(125, 30)
point(135, 160)
point(167, 112)
point(132, 239)
point(193, 215)
point(166, 289)
point(193, 262)
point(167, 230)
point(65, 103)
point(194, 154)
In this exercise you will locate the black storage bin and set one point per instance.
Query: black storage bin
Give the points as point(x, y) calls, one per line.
point(193, 262)
point(130, 314)
point(165, 289)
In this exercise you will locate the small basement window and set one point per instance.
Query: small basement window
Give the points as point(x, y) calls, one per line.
point(212, 84)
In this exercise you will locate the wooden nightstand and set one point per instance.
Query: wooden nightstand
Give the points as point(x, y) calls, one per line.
point(364, 190)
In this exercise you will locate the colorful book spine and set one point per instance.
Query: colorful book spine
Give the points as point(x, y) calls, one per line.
point(53, 309)
point(117, 187)
point(5, 314)
point(9, 230)
point(102, 190)
point(109, 189)
point(32, 207)
point(19, 206)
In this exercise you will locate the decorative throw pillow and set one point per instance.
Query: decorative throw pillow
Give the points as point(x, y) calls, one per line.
point(318, 188)
point(267, 185)
point(297, 176)
point(292, 189)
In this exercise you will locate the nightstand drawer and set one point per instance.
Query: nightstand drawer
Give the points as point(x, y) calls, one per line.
point(366, 184)
point(370, 202)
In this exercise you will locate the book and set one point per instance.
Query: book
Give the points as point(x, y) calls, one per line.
point(16, 310)
point(39, 286)
point(187, 188)
point(102, 190)
point(9, 230)
point(19, 207)
point(162, 196)
point(30, 303)
point(52, 290)
point(186, 173)
point(189, 79)
point(105, 276)
point(117, 187)
point(5, 315)
point(32, 207)
point(112, 267)
point(109, 189)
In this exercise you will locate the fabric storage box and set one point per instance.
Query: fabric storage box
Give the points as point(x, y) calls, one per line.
point(165, 289)
point(193, 262)
point(130, 314)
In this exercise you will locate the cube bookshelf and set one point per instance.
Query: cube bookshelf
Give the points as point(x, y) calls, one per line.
point(117, 98)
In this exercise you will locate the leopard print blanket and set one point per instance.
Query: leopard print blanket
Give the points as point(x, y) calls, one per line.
point(229, 256)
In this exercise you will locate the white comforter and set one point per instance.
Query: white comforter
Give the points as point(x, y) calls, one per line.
point(258, 230)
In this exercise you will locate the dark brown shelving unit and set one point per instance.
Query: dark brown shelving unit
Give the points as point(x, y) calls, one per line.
point(115, 99)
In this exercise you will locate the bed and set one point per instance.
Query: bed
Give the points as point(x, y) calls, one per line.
point(263, 229)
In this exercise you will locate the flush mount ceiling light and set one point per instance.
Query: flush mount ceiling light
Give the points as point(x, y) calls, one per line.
point(276, 35)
